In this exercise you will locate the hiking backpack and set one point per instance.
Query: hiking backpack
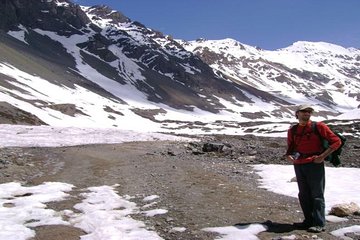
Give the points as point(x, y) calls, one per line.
point(334, 157)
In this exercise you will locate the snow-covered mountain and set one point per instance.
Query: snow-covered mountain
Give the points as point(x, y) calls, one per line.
point(322, 72)
point(67, 65)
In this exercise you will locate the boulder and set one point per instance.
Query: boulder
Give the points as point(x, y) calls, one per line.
point(213, 147)
point(343, 210)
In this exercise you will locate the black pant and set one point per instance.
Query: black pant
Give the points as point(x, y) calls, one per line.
point(311, 182)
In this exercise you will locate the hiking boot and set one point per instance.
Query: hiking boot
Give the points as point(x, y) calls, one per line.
point(316, 229)
point(302, 225)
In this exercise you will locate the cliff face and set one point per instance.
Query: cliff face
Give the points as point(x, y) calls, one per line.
point(61, 17)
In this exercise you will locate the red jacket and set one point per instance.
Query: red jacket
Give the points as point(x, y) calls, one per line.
point(308, 143)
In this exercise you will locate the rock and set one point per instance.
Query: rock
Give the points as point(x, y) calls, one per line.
point(217, 147)
point(253, 153)
point(293, 179)
point(343, 210)
point(213, 147)
point(171, 153)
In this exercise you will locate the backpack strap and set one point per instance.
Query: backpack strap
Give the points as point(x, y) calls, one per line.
point(291, 148)
point(294, 131)
point(324, 142)
point(315, 130)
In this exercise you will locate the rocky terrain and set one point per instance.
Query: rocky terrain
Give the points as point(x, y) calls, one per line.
point(199, 186)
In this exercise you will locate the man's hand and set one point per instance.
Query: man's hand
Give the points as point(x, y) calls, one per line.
point(290, 158)
point(319, 159)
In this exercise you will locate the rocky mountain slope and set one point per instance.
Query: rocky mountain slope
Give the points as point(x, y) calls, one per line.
point(318, 71)
point(65, 64)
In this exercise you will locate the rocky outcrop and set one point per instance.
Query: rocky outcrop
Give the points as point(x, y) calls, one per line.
point(61, 17)
point(13, 115)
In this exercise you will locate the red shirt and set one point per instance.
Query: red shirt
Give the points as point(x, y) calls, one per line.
point(308, 143)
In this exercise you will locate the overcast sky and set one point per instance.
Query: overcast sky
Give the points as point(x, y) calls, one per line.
point(269, 24)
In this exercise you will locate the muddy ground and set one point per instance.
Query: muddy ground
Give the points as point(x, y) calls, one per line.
point(199, 189)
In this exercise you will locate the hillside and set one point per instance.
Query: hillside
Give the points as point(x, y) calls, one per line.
point(63, 64)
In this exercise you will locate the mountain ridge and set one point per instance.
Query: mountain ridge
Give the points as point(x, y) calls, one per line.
point(242, 55)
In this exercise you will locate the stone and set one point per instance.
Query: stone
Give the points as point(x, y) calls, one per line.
point(343, 210)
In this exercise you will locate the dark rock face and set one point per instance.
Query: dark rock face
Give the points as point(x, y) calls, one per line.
point(12, 115)
point(102, 11)
point(46, 15)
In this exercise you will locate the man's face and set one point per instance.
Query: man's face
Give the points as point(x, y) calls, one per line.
point(305, 114)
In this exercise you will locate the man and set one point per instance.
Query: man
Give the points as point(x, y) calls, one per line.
point(306, 153)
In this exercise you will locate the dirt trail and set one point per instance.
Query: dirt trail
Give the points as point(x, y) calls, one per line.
point(198, 191)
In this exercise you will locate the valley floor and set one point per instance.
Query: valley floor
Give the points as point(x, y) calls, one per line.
point(198, 190)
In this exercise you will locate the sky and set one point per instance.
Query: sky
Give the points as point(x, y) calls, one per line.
point(268, 24)
point(103, 214)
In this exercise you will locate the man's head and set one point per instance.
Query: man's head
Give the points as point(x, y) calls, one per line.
point(303, 112)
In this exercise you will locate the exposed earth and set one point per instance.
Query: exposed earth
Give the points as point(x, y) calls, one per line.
point(199, 189)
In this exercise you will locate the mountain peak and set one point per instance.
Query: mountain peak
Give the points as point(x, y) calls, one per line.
point(304, 46)
point(105, 13)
